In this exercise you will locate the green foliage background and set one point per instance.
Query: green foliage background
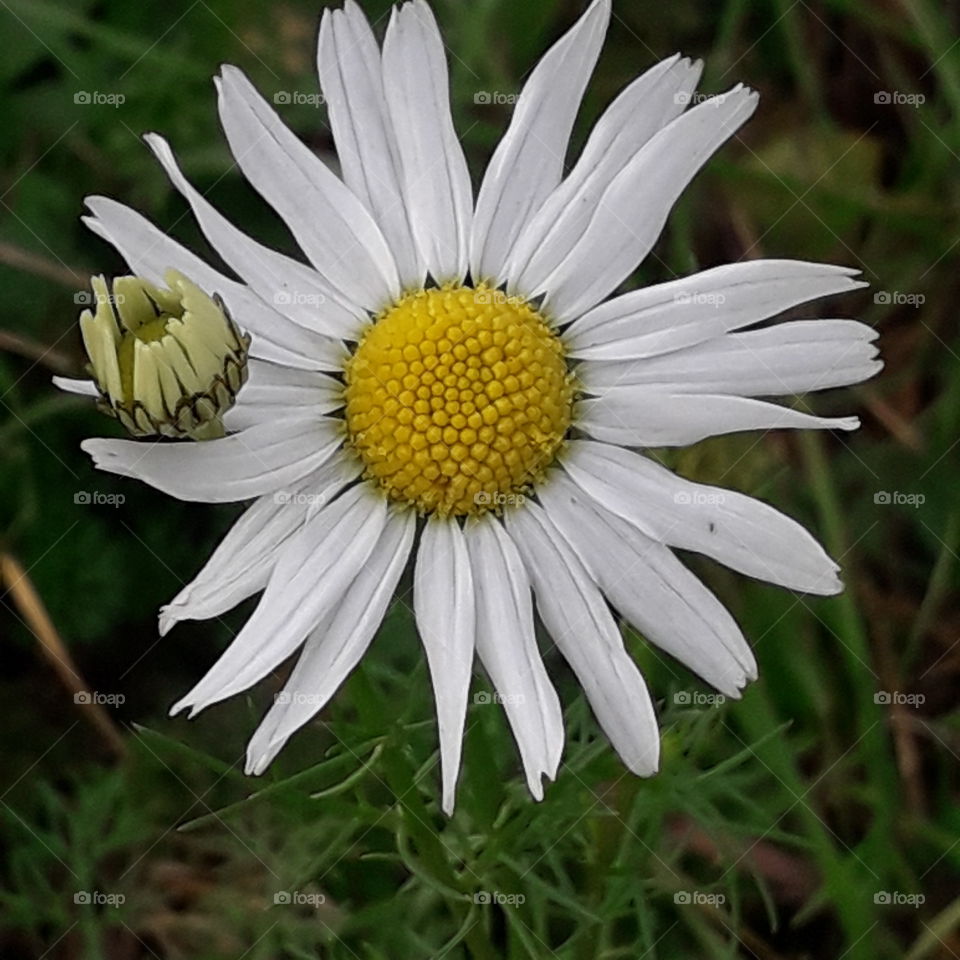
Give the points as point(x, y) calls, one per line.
point(811, 819)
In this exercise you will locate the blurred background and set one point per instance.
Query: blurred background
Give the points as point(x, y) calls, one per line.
point(816, 818)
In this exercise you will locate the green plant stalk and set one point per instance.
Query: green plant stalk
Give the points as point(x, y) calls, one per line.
point(855, 649)
point(758, 717)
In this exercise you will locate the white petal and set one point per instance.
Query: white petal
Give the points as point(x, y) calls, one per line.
point(797, 357)
point(352, 81)
point(643, 109)
point(291, 288)
point(336, 646)
point(651, 588)
point(150, 253)
point(634, 208)
point(274, 392)
point(508, 650)
point(528, 162)
point(331, 225)
point(436, 180)
point(258, 460)
point(690, 310)
point(739, 531)
point(657, 416)
point(577, 618)
point(443, 599)
point(242, 563)
point(85, 388)
point(307, 583)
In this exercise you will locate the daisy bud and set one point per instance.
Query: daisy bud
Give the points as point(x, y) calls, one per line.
point(167, 362)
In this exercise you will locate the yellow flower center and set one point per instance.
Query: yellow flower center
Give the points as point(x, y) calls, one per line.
point(457, 399)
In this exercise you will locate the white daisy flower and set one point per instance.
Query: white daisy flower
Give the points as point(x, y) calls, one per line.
point(454, 382)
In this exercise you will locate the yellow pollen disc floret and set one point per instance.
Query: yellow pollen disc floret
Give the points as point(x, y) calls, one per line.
point(457, 399)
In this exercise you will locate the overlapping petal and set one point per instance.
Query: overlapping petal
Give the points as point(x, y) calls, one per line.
point(796, 357)
point(446, 621)
point(744, 533)
point(578, 620)
point(528, 162)
point(258, 460)
point(651, 588)
point(632, 211)
point(508, 650)
point(150, 253)
point(245, 558)
point(351, 76)
point(436, 181)
point(642, 110)
point(335, 647)
point(307, 583)
point(331, 225)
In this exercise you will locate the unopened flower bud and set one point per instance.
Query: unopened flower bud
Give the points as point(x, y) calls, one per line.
point(167, 362)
